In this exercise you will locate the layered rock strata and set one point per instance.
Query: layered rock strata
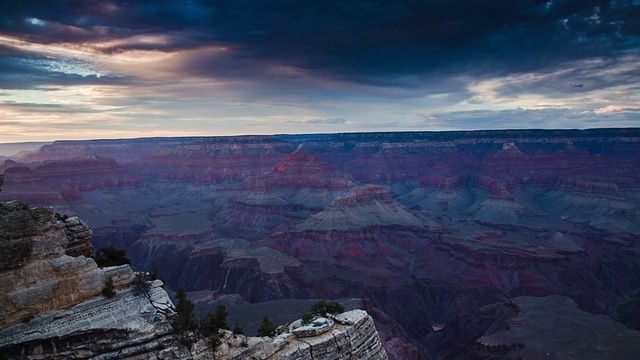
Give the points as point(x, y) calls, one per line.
point(78, 237)
point(53, 305)
point(351, 335)
point(36, 274)
point(129, 325)
point(499, 214)
point(365, 206)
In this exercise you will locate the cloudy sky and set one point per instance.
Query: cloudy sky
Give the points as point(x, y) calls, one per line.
point(104, 69)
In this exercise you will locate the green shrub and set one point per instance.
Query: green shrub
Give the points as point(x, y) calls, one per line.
point(321, 308)
point(108, 291)
point(154, 271)
point(141, 282)
point(220, 317)
point(335, 308)
point(267, 328)
point(110, 256)
point(215, 341)
point(307, 318)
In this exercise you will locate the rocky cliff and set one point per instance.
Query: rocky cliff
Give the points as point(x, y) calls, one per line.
point(350, 335)
point(51, 293)
point(53, 305)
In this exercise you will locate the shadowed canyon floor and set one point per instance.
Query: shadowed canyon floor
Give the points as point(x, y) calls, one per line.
point(426, 228)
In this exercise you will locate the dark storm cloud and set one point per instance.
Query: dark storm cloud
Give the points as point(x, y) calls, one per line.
point(580, 77)
point(378, 43)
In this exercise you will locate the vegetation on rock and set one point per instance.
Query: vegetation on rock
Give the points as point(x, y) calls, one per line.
point(307, 318)
point(110, 256)
point(267, 328)
point(108, 290)
point(184, 322)
point(154, 271)
point(214, 321)
point(322, 308)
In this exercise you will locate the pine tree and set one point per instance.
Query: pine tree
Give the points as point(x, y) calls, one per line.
point(267, 328)
point(110, 256)
point(184, 319)
point(221, 317)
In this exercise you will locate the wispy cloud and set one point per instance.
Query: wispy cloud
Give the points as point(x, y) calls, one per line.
point(225, 67)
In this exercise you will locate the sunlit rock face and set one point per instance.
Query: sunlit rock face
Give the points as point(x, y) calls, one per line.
point(37, 274)
point(427, 226)
point(51, 292)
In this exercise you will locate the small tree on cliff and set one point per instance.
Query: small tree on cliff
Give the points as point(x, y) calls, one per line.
point(221, 317)
point(110, 256)
point(184, 322)
point(321, 308)
point(267, 328)
point(214, 321)
point(108, 291)
point(307, 318)
point(335, 308)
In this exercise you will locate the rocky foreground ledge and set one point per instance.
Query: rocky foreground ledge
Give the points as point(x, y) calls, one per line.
point(51, 306)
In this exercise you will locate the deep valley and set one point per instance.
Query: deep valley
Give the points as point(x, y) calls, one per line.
point(443, 237)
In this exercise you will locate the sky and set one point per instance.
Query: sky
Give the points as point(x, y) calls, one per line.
point(123, 69)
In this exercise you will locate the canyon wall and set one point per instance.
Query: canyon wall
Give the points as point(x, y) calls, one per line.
point(426, 226)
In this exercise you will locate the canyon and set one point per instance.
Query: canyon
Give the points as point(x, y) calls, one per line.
point(54, 305)
point(428, 229)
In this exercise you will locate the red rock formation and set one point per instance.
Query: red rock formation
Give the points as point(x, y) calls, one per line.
point(62, 182)
point(301, 169)
point(209, 161)
point(507, 213)
point(362, 207)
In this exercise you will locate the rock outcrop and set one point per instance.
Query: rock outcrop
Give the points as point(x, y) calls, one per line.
point(78, 236)
point(52, 305)
point(350, 335)
point(302, 169)
point(362, 207)
point(129, 325)
point(37, 276)
point(51, 300)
